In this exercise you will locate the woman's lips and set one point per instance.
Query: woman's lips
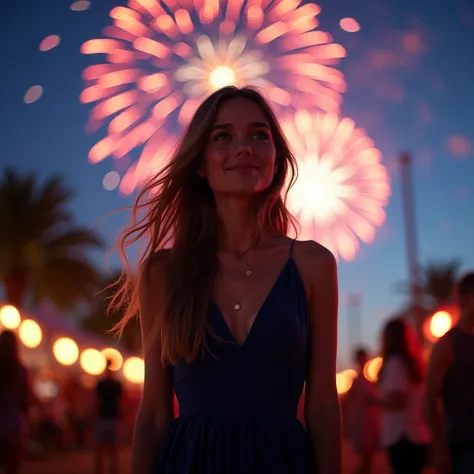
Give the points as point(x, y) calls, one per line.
point(243, 167)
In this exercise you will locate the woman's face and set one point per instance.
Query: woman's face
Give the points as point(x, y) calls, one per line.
point(240, 155)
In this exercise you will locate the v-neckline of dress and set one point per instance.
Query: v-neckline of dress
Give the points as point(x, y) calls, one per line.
point(259, 312)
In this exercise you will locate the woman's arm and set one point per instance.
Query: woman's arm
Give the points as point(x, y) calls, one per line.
point(322, 408)
point(156, 408)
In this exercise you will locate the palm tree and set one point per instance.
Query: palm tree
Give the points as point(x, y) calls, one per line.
point(100, 320)
point(437, 283)
point(42, 251)
point(438, 280)
point(436, 289)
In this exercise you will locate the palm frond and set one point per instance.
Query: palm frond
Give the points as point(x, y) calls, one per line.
point(76, 239)
point(49, 206)
point(66, 281)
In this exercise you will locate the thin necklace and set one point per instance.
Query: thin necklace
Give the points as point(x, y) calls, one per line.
point(238, 303)
point(248, 273)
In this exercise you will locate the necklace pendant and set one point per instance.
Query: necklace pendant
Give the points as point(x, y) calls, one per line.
point(249, 272)
point(237, 306)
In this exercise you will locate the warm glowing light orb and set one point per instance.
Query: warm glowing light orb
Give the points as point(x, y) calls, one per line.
point(163, 58)
point(30, 333)
point(134, 370)
point(114, 356)
point(372, 368)
point(92, 361)
point(49, 42)
point(344, 382)
point(351, 373)
point(66, 351)
point(33, 94)
point(342, 186)
point(9, 317)
point(350, 25)
point(440, 323)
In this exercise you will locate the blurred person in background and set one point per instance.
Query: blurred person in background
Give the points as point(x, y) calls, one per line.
point(404, 432)
point(363, 417)
point(450, 380)
point(14, 399)
point(109, 394)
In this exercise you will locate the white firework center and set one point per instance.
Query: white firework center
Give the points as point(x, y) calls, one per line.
point(342, 186)
point(227, 62)
point(322, 187)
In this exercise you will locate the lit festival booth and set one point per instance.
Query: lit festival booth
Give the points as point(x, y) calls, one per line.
point(53, 349)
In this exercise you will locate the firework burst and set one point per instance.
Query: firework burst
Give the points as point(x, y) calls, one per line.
point(342, 187)
point(164, 57)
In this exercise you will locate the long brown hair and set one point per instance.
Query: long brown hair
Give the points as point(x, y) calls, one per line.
point(177, 206)
point(399, 340)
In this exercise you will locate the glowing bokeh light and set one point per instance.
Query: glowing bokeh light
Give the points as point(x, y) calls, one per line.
point(30, 333)
point(440, 323)
point(33, 94)
point(372, 368)
point(350, 25)
point(92, 361)
point(163, 59)
point(111, 180)
point(46, 389)
point(351, 373)
point(413, 42)
point(459, 146)
point(114, 356)
point(222, 76)
point(80, 5)
point(49, 43)
point(342, 186)
point(66, 351)
point(134, 370)
point(344, 382)
point(9, 317)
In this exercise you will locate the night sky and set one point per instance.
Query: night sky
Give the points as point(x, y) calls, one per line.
point(408, 72)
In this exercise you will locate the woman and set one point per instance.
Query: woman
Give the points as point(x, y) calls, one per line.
point(404, 432)
point(235, 316)
point(363, 417)
point(13, 404)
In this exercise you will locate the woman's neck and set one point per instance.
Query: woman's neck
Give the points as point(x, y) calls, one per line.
point(239, 224)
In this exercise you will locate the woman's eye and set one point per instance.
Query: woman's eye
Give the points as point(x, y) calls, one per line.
point(262, 134)
point(221, 136)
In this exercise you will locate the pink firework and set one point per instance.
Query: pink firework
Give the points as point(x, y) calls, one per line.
point(342, 186)
point(164, 57)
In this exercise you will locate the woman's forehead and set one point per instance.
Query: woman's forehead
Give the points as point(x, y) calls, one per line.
point(240, 111)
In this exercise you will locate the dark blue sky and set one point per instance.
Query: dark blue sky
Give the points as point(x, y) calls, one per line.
point(409, 73)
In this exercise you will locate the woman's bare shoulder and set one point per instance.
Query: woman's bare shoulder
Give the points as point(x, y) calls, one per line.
point(155, 265)
point(152, 280)
point(309, 253)
point(315, 263)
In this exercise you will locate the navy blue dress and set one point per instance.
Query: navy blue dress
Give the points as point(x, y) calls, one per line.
point(238, 409)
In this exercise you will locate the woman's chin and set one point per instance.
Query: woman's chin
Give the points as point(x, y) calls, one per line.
point(247, 191)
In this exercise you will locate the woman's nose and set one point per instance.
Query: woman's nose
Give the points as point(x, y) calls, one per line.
point(243, 147)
